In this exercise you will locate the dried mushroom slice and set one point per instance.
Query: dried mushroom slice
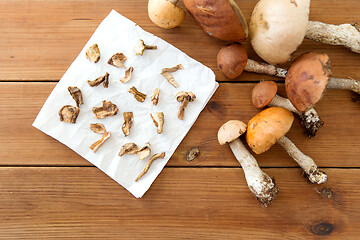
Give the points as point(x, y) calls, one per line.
point(93, 53)
point(97, 128)
point(144, 151)
point(107, 109)
point(95, 146)
point(104, 80)
point(69, 114)
point(128, 148)
point(76, 95)
point(141, 47)
point(128, 74)
point(155, 96)
point(128, 119)
point(166, 72)
point(151, 160)
point(158, 119)
point(117, 60)
point(137, 95)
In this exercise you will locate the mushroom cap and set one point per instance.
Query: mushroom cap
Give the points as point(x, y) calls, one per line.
point(232, 60)
point(267, 127)
point(181, 95)
point(165, 14)
point(230, 131)
point(278, 27)
point(263, 93)
point(221, 19)
point(306, 80)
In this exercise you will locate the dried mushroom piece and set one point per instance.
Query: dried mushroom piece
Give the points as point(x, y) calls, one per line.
point(128, 148)
point(137, 95)
point(104, 80)
point(166, 72)
point(117, 60)
point(97, 128)
point(107, 109)
point(184, 98)
point(76, 95)
point(155, 96)
point(128, 119)
point(95, 146)
point(158, 119)
point(151, 160)
point(93, 53)
point(144, 151)
point(128, 74)
point(69, 113)
point(141, 47)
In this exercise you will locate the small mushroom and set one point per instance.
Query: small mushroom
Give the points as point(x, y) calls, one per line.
point(128, 74)
point(264, 94)
point(103, 79)
point(93, 53)
point(107, 109)
point(69, 113)
point(144, 151)
point(128, 148)
point(151, 160)
point(165, 13)
point(98, 128)
point(269, 127)
point(166, 73)
point(184, 98)
point(139, 96)
point(95, 146)
point(141, 47)
point(76, 95)
point(155, 96)
point(128, 119)
point(260, 184)
point(158, 119)
point(117, 60)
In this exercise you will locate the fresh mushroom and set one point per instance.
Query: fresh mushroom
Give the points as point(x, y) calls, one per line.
point(158, 119)
point(141, 47)
point(264, 94)
point(260, 184)
point(269, 127)
point(165, 13)
point(128, 120)
point(184, 98)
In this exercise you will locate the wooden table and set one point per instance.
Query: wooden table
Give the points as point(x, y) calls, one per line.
point(48, 191)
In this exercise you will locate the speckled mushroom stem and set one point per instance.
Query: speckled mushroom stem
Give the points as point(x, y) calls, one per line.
point(347, 35)
point(264, 68)
point(311, 171)
point(344, 83)
point(309, 119)
point(260, 184)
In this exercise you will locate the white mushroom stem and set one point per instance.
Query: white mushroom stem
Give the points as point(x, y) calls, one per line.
point(174, 1)
point(311, 171)
point(344, 83)
point(347, 35)
point(279, 101)
point(264, 68)
point(260, 184)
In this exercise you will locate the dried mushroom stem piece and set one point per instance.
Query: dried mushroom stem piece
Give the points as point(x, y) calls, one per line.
point(128, 120)
point(93, 53)
point(166, 72)
point(117, 60)
point(184, 98)
point(141, 47)
point(69, 113)
point(103, 79)
point(151, 160)
point(155, 96)
point(158, 119)
point(95, 146)
point(107, 109)
point(98, 128)
point(144, 151)
point(76, 95)
point(139, 96)
point(128, 148)
point(128, 74)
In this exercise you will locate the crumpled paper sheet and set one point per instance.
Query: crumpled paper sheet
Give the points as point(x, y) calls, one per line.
point(118, 34)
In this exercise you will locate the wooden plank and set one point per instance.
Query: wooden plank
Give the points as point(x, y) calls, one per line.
point(336, 145)
point(183, 203)
point(39, 39)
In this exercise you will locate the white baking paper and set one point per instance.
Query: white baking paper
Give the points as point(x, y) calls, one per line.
point(118, 34)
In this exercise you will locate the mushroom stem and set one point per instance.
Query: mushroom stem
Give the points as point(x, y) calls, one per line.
point(260, 184)
point(174, 1)
point(347, 35)
point(344, 83)
point(311, 171)
point(279, 101)
point(264, 68)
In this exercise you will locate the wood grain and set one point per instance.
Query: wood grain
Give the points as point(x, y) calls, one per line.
point(40, 39)
point(183, 203)
point(336, 145)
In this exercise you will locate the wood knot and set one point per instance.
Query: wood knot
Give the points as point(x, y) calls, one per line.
point(217, 108)
point(322, 228)
point(192, 154)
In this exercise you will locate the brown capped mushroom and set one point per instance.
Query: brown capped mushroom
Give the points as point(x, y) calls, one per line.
point(260, 184)
point(166, 73)
point(128, 119)
point(165, 13)
point(151, 160)
point(144, 151)
point(69, 113)
point(76, 95)
point(155, 97)
point(128, 74)
point(95, 146)
point(141, 47)
point(128, 148)
point(97, 128)
point(107, 109)
point(184, 98)
point(139, 96)
point(117, 60)
point(158, 119)
point(103, 79)
point(269, 127)
point(93, 53)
